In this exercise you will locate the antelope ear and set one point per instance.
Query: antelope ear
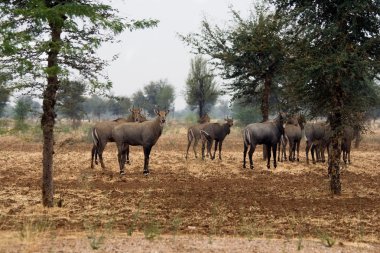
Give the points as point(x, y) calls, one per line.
point(167, 112)
point(130, 110)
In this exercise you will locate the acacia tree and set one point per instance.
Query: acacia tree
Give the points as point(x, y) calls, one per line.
point(43, 41)
point(119, 106)
point(70, 100)
point(158, 93)
point(335, 56)
point(4, 92)
point(249, 54)
point(201, 92)
point(139, 100)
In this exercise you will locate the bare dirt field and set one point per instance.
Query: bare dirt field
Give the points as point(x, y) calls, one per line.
point(186, 206)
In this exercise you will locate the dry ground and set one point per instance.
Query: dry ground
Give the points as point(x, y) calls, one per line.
point(191, 206)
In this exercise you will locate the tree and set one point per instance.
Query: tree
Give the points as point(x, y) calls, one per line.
point(70, 99)
point(44, 41)
point(4, 98)
point(334, 58)
point(139, 100)
point(158, 93)
point(4, 92)
point(119, 106)
point(221, 109)
point(245, 114)
point(249, 54)
point(25, 107)
point(96, 106)
point(201, 91)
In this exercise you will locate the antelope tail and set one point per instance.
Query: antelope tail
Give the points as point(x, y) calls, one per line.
point(95, 137)
point(190, 135)
point(205, 134)
point(247, 137)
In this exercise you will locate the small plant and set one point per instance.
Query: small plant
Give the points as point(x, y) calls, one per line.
point(326, 239)
point(135, 217)
point(151, 230)
point(96, 241)
point(31, 228)
point(176, 223)
point(299, 244)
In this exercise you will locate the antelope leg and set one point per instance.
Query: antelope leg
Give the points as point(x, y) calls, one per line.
point(250, 153)
point(146, 159)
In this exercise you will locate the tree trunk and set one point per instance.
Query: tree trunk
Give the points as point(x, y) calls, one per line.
point(48, 116)
point(265, 98)
point(336, 124)
point(201, 100)
point(265, 106)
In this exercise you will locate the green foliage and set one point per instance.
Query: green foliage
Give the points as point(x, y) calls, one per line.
point(326, 239)
point(85, 26)
point(151, 230)
point(139, 99)
point(157, 93)
point(4, 92)
point(45, 41)
point(119, 106)
point(95, 105)
point(71, 98)
point(201, 90)
point(191, 119)
point(31, 228)
point(96, 241)
point(4, 126)
point(249, 54)
point(175, 224)
point(25, 107)
point(334, 55)
point(246, 113)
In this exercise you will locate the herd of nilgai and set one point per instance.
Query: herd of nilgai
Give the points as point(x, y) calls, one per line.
point(136, 130)
point(102, 134)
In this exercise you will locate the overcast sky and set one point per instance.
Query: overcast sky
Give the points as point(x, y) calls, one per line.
point(157, 53)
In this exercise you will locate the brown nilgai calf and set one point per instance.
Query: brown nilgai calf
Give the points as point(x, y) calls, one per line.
point(102, 134)
point(215, 132)
point(144, 134)
point(194, 134)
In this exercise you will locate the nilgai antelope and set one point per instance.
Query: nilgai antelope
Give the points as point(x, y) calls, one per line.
point(144, 134)
point(217, 132)
point(317, 136)
point(102, 134)
point(348, 136)
point(194, 134)
point(268, 133)
point(293, 135)
point(282, 148)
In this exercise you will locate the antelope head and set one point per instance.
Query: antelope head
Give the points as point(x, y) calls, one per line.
point(136, 114)
point(161, 115)
point(230, 121)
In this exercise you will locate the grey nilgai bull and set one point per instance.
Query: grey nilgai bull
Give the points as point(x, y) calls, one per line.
point(144, 134)
point(217, 132)
point(268, 133)
point(102, 134)
point(194, 134)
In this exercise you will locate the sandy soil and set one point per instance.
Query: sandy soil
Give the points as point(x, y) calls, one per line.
point(186, 206)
